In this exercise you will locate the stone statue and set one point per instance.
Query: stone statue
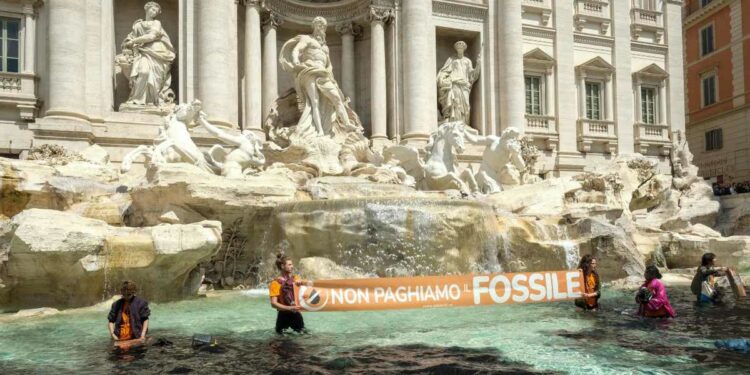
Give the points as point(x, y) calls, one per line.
point(454, 81)
point(235, 163)
point(319, 98)
point(439, 171)
point(502, 160)
point(147, 55)
point(174, 144)
point(683, 171)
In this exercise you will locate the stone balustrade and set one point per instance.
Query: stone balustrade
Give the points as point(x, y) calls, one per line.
point(596, 12)
point(652, 135)
point(645, 16)
point(543, 8)
point(543, 128)
point(20, 89)
point(597, 131)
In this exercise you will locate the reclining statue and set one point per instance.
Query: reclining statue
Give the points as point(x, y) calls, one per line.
point(502, 161)
point(237, 162)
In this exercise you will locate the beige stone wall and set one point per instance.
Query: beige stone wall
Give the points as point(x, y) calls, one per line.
point(732, 161)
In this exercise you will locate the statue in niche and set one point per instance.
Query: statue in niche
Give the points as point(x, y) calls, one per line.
point(147, 55)
point(319, 98)
point(454, 81)
point(502, 160)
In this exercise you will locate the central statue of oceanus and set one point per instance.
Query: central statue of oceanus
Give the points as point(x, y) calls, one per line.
point(319, 98)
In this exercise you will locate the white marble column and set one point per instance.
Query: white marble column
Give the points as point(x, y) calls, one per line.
point(107, 100)
point(67, 59)
point(420, 90)
point(662, 119)
point(346, 30)
point(675, 66)
point(253, 105)
point(216, 60)
point(29, 38)
point(270, 63)
point(378, 96)
point(609, 94)
point(622, 94)
point(510, 65)
point(567, 113)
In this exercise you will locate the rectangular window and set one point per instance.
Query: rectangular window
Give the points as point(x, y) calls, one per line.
point(705, 2)
point(648, 105)
point(534, 95)
point(593, 100)
point(707, 40)
point(708, 88)
point(10, 49)
point(646, 4)
point(714, 140)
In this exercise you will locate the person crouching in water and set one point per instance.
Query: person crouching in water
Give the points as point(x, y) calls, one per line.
point(281, 291)
point(591, 284)
point(128, 317)
point(704, 281)
point(652, 296)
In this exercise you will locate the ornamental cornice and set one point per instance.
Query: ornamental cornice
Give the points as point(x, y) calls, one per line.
point(345, 28)
point(702, 13)
point(596, 40)
point(302, 12)
point(649, 48)
point(272, 20)
point(450, 9)
point(538, 32)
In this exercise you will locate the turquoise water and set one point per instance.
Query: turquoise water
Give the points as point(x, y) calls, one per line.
point(541, 338)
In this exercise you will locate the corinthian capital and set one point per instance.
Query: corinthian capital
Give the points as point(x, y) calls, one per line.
point(378, 14)
point(346, 28)
point(272, 20)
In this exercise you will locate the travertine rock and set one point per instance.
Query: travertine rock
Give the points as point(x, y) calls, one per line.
point(64, 260)
point(319, 268)
point(95, 154)
point(684, 250)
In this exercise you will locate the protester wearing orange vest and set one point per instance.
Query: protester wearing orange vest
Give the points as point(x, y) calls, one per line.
point(281, 291)
point(591, 284)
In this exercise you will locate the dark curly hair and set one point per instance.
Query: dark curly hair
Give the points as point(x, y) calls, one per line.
point(128, 289)
point(281, 260)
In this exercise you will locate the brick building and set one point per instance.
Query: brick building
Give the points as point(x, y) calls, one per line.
point(717, 80)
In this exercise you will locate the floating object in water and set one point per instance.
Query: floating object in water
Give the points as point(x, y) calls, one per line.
point(127, 344)
point(738, 345)
point(203, 340)
point(736, 282)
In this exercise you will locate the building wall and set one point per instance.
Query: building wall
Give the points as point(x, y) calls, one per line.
point(731, 113)
point(572, 33)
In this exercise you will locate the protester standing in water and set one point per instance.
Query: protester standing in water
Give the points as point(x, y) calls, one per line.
point(591, 284)
point(128, 317)
point(281, 291)
point(652, 296)
point(704, 281)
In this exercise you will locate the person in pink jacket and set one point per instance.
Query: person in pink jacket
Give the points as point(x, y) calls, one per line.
point(652, 296)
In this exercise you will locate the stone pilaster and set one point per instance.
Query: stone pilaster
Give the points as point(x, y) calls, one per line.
point(378, 96)
point(217, 60)
point(347, 30)
point(420, 90)
point(29, 41)
point(675, 64)
point(253, 104)
point(567, 111)
point(270, 62)
point(623, 112)
point(67, 60)
point(510, 64)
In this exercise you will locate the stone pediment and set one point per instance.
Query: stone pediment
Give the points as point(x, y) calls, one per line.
point(651, 72)
point(597, 65)
point(538, 58)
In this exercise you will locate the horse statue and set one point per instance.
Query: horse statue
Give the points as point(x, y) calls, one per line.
point(439, 171)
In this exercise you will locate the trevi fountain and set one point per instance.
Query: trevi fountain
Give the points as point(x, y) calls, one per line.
point(184, 218)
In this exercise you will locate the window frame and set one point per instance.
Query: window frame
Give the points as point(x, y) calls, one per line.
point(655, 115)
point(705, 3)
point(709, 75)
point(701, 45)
point(4, 17)
point(601, 100)
point(542, 93)
point(714, 139)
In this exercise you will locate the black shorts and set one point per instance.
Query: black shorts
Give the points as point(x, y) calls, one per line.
point(289, 319)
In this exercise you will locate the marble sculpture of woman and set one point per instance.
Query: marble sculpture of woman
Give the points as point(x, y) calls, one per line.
point(319, 98)
point(147, 55)
point(454, 81)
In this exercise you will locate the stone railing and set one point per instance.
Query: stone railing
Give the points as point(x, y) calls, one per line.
point(650, 137)
point(20, 89)
point(543, 8)
point(543, 128)
point(595, 12)
point(597, 131)
point(645, 17)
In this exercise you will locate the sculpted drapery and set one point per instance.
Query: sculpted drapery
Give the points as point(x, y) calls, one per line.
point(319, 98)
point(454, 82)
point(147, 55)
